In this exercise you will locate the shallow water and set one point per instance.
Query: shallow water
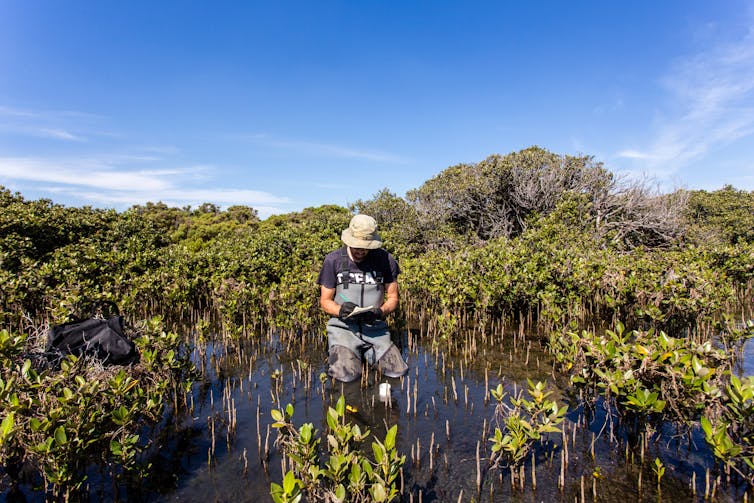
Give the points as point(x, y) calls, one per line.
point(244, 382)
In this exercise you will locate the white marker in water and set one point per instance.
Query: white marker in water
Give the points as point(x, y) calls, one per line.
point(384, 390)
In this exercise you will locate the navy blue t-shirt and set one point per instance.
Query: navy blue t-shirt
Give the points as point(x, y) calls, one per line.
point(378, 266)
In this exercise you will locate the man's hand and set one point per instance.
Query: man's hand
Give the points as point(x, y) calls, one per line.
point(345, 309)
point(370, 316)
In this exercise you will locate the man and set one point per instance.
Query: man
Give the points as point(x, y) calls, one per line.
point(358, 288)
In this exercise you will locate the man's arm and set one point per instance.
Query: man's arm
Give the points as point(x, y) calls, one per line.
point(327, 301)
point(391, 298)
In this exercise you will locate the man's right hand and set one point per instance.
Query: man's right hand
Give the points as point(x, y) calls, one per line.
point(345, 309)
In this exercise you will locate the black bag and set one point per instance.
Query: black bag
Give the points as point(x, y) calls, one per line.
point(97, 337)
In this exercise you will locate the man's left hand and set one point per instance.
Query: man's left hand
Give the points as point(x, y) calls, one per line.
point(370, 316)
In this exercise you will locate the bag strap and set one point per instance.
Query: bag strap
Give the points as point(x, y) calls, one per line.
point(344, 269)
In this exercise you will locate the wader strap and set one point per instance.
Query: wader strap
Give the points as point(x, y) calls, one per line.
point(345, 271)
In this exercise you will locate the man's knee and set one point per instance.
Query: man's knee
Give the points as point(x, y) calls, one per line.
point(344, 365)
point(392, 364)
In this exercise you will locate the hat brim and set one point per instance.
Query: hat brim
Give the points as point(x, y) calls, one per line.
point(354, 242)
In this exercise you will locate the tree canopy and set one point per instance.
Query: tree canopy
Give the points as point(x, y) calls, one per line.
point(502, 196)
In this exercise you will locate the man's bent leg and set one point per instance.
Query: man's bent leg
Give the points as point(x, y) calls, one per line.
point(344, 365)
point(391, 364)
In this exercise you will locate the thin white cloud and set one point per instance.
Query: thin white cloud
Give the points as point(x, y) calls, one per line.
point(17, 112)
point(48, 115)
point(63, 125)
point(81, 172)
point(264, 203)
point(160, 149)
point(635, 154)
point(54, 133)
point(182, 197)
point(60, 134)
point(105, 182)
point(325, 149)
point(136, 175)
point(712, 104)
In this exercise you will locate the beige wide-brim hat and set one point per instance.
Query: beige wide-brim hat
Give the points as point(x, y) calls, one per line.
point(362, 233)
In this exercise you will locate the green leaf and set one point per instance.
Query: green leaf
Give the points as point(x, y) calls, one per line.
point(378, 492)
point(276, 415)
point(116, 448)
point(289, 482)
point(390, 437)
point(306, 432)
point(6, 427)
point(332, 418)
point(340, 493)
point(120, 415)
point(35, 424)
point(706, 426)
point(340, 407)
point(696, 365)
point(379, 452)
point(367, 467)
point(276, 492)
point(355, 475)
point(315, 472)
point(60, 437)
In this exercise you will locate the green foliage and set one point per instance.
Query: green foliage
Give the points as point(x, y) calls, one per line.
point(729, 428)
point(58, 422)
point(659, 469)
point(166, 219)
point(208, 223)
point(32, 230)
point(557, 272)
point(496, 196)
point(717, 437)
point(724, 216)
point(525, 421)
point(289, 492)
point(635, 369)
point(347, 474)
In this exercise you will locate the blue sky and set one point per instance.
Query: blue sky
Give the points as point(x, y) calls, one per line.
point(286, 105)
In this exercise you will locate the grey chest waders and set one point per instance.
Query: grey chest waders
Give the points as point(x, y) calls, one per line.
point(364, 289)
point(367, 290)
